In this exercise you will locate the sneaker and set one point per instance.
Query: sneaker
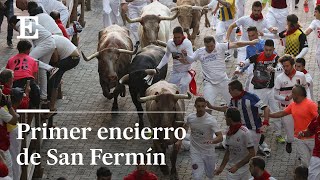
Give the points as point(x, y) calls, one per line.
point(9, 43)
point(227, 57)
point(289, 147)
point(77, 27)
point(53, 71)
point(235, 53)
point(280, 139)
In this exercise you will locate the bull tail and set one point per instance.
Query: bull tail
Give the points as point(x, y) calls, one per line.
point(136, 46)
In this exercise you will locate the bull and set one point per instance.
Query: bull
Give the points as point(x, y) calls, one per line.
point(143, 64)
point(154, 23)
point(114, 53)
point(165, 97)
point(189, 16)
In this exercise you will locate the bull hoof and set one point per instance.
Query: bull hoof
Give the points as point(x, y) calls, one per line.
point(164, 170)
point(115, 108)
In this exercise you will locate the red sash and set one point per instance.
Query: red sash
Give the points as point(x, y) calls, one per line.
point(193, 84)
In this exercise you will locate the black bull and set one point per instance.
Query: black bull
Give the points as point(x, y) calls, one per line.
point(148, 58)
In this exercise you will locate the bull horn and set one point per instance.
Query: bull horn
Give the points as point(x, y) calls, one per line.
point(90, 57)
point(169, 18)
point(161, 43)
point(150, 71)
point(197, 7)
point(125, 51)
point(132, 20)
point(124, 79)
point(147, 98)
point(182, 96)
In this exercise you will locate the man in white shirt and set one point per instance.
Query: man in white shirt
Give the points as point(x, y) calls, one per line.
point(240, 147)
point(300, 66)
point(111, 12)
point(202, 150)
point(315, 26)
point(134, 9)
point(283, 93)
point(180, 71)
point(213, 66)
point(68, 58)
point(44, 47)
point(53, 5)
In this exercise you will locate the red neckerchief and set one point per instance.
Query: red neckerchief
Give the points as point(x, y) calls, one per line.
point(305, 71)
point(291, 30)
point(179, 43)
point(293, 72)
point(58, 21)
point(260, 17)
point(6, 89)
point(233, 129)
point(264, 176)
point(239, 97)
point(262, 57)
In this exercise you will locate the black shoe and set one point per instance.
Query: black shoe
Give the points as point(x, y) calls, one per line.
point(289, 147)
point(9, 43)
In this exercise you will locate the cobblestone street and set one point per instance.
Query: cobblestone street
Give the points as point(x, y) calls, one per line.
point(82, 92)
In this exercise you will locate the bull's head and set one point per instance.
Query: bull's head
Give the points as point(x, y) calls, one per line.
point(151, 25)
point(168, 104)
point(185, 15)
point(108, 63)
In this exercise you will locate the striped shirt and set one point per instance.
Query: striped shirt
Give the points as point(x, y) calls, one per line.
point(248, 105)
point(225, 13)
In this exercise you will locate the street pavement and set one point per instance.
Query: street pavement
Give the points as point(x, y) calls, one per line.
point(82, 92)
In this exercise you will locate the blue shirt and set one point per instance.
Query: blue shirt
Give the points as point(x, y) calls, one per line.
point(255, 49)
point(249, 105)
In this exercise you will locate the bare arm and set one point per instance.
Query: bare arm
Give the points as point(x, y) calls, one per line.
point(266, 112)
point(242, 43)
point(217, 108)
point(231, 27)
point(278, 114)
point(217, 139)
point(308, 31)
point(224, 162)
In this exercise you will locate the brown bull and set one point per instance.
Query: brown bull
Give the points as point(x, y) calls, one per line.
point(189, 16)
point(165, 97)
point(114, 54)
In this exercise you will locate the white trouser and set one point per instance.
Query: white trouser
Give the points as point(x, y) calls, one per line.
point(240, 5)
point(215, 19)
point(181, 79)
point(134, 11)
point(222, 27)
point(256, 139)
point(267, 96)
point(241, 174)
point(314, 168)
point(8, 161)
point(242, 54)
point(43, 52)
point(211, 91)
point(288, 125)
point(110, 19)
point(201, 163)
point(304, 149)
point(15, 147)
point(277, 18)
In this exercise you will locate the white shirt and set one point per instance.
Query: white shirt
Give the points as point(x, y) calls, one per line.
point(202, 130)
point(238, 145)
point(47, 22)
point(51, 5)
point(247, 21)
point(315, 26)
point(213, 64)
point(172, 49)
point(283, 86)
point(270, 178)
point(5, 116)
point(42, 32)
point(61, 44)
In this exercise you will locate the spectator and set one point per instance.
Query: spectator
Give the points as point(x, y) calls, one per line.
point(257, 169)
point(103, 173)
point(56, 17)
point(6, 9)
point(240, 147)
point(301, 173)
point(141, 172)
